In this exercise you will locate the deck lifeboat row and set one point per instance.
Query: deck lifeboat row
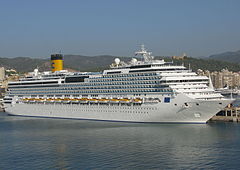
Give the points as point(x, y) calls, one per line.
point(90, 100)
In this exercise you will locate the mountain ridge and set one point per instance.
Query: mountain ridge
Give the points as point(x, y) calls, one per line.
point(98, 63)
point(230, 56)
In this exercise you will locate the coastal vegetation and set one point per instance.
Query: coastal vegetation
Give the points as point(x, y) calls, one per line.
point(98, 63)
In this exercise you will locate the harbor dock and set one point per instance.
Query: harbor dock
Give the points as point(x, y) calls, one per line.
point(228, 114)
point(1, 108)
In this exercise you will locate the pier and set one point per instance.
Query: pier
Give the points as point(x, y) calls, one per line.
point(228, 114)
point(1, 105)
point(1, 108)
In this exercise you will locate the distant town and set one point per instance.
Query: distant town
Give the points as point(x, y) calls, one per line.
point(223, 78)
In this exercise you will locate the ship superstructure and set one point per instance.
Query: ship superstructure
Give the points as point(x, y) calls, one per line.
point(145, 90)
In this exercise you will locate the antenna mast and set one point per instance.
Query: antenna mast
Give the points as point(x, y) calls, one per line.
point(146, 55)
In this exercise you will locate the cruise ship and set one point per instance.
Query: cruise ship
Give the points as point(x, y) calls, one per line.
point(141, 90)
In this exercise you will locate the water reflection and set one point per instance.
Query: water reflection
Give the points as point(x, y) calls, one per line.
point(64, 144)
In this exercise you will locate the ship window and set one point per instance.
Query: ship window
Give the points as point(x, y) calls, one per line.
point(75, 79)
point(167, 100)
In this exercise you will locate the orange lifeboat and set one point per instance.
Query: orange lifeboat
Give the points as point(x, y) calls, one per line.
point(103, 100)
point(137, 100)
point(114, 100)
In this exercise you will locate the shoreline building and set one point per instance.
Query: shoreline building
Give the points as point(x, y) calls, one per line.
point(223, 78)
point(2, 74)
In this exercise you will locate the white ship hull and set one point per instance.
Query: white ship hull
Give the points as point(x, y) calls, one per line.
point(197, 111)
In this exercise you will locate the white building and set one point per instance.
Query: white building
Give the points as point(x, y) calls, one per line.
point(2, 74)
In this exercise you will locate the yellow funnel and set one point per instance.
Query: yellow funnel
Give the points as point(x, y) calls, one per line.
point(57, 62)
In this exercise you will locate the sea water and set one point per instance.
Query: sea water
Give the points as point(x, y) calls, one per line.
point(38, 143)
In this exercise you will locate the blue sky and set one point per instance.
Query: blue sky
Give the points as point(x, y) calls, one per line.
point(38, 28)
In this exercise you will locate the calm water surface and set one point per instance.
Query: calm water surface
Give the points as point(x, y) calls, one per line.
point(35, 143)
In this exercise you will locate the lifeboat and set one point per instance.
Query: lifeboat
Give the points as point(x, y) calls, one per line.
point(32, 100)
point(44, 99)
point(49, 100)
point(152, 100)
point(25, 100)
point(66, 100)
point(103, 100)
point(74, 100)
point(58, 100)
point(83, 100)
point(125, 100)
point(93, 100)
point(41, 100)
point(114, 100)
point(137, 100)
point(37, 100)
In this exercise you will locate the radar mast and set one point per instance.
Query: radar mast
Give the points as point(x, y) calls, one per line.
point(146, 55)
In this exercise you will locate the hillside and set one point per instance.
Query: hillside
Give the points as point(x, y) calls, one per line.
point(97, 63)
point(208, 64)
point(75, 62)
point(89, 63)
point(233, 57)
point(24, 64)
